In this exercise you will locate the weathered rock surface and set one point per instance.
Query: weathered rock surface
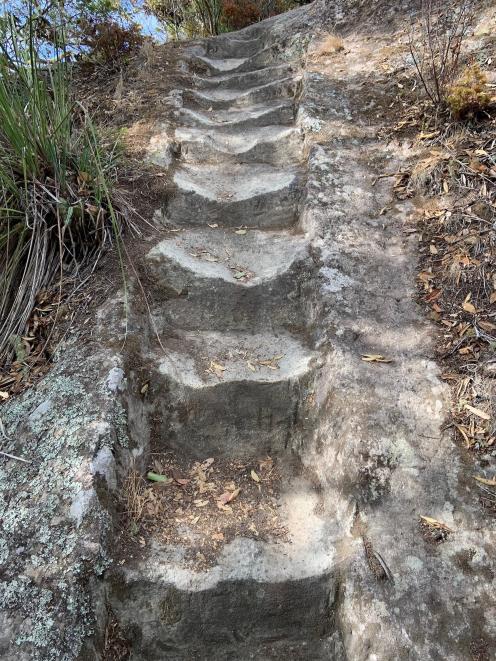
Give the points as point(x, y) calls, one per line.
point(55, 512)
point(290, 264)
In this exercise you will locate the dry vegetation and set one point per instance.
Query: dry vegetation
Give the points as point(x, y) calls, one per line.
point(453, 185)
point(325, 47)
point(215, 500)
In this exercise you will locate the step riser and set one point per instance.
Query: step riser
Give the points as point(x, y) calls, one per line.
point(266, 58)
point(272, 210)
point(284, 150)
point(166, 623)
point(285, 89)
point(235, 419)
point(245, 80)
point(234, 48)
point(280, 115)
point(192, 303)
point(261, 59)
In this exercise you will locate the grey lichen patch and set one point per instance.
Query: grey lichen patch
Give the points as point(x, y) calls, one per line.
point(54, 528)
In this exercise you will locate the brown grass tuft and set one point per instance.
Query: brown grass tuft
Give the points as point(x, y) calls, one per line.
point(326, 46)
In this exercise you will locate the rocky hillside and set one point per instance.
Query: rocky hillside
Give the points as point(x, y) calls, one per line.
point(246, 455)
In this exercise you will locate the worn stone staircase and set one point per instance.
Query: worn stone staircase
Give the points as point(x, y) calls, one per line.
point(233, 285)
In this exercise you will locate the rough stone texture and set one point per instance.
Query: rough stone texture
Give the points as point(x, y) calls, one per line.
point(371, 433)
point(257, 592)
point(380, 444)
point(267, 144)
point(242, 412)
point(55, 527)
point(225, 281)
point(241, 195)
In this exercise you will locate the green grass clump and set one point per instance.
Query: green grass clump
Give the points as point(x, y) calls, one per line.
point(57, 209)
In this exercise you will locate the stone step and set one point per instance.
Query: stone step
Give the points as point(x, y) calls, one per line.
point(222, 64)
point(230, 98)
point(252, 195)
point(247, 79)
point(265, 57)
point(275, 145)
point(259, 595)
point(263, 114)
point(231, 394)
point(229, 46)
point(216, 279)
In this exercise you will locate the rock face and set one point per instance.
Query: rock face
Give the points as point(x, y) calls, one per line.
point(285, 262)
point(56, 519)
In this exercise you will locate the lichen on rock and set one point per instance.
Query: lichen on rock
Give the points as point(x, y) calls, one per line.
point(54, 528)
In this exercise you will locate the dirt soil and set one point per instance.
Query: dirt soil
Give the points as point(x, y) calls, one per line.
point(201, 506)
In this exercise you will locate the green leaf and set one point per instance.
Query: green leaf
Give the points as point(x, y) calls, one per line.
point(155, 477)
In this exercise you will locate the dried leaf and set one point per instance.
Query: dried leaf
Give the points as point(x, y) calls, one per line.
point(478, 412)
point(484, 480)
point(217, 369)
point(228, 496)
point(254, 476)
point(463, 432)
point(435, 523)
point(217, 536)
point(468, 307)
point(375, 358)
point(4, 395)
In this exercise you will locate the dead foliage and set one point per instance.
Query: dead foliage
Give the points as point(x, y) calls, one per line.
point(202, 505)
point(434, 531)
point(116, 645)
point(458, 276)
point(109, 41)
point(326, 46)
point(375, 561)
point(452, 183)
point(435, 45)
point(54, 312)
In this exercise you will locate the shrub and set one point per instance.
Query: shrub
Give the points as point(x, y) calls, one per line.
point(468, 96)
point(188, 18)
point(238, 15)
point(57, 208)
point(107, 40)
point(435, 48)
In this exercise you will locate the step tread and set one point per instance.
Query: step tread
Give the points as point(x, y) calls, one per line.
point(304, 552)
point(232, 94)
point(239, 77)
point(225, 117)
point(236, 141)
point(225, 255)
point(223, 64)
point(205, 359)
point(233, 183)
